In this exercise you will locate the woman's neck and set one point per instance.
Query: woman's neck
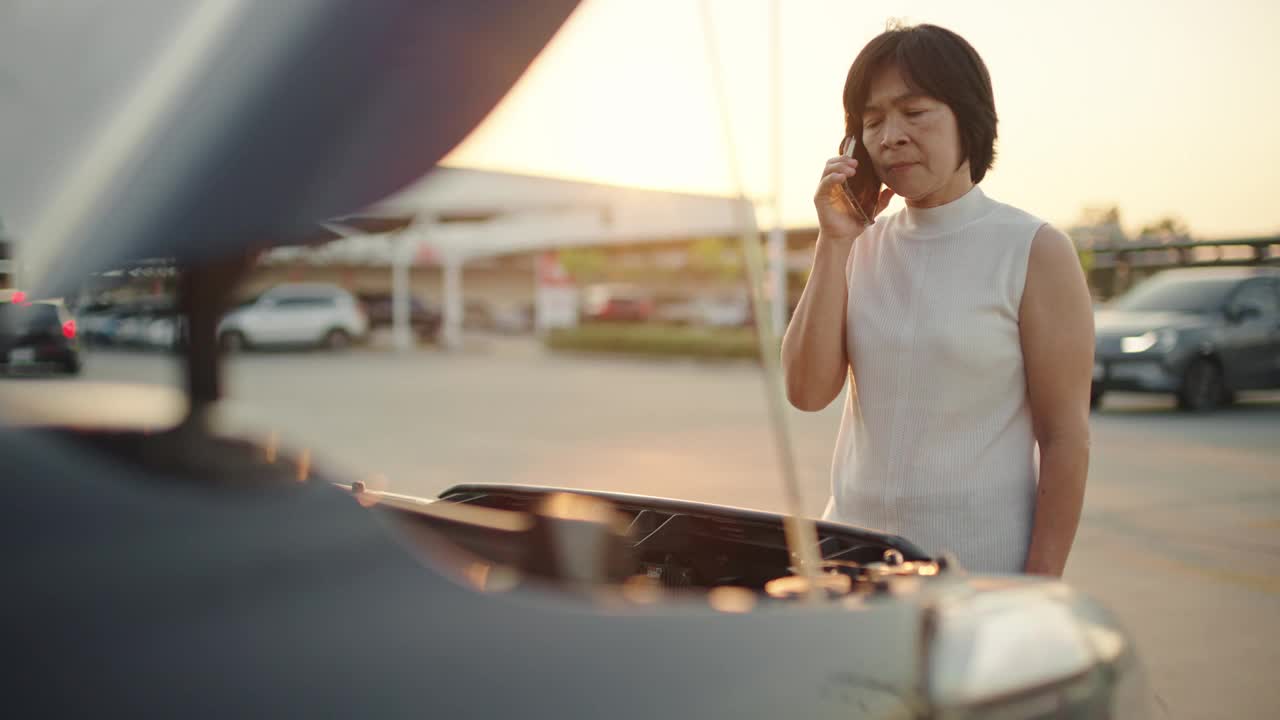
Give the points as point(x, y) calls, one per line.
point(948, 216)
point(954, 188)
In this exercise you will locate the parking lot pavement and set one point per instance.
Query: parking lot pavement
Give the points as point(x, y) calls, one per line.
point(1180, 535)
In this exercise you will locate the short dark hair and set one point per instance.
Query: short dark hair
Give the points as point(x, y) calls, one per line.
point(936, 62)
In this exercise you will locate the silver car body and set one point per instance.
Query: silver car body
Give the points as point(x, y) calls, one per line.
point(297, 314)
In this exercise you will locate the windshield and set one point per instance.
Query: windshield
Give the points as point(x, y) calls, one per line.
point(1177, 295)
point(20, 318)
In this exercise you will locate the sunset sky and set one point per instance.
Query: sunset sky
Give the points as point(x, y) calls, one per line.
point(1158, 107)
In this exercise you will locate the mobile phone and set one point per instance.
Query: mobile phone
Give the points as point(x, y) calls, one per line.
point(863, 189)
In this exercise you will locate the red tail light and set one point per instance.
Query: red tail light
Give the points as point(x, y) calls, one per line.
point(69, 329)
point(19, 296)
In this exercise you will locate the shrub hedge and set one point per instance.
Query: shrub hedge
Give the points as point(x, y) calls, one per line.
point(652, 340)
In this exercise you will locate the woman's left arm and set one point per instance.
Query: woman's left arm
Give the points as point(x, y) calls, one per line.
point(1056, 327)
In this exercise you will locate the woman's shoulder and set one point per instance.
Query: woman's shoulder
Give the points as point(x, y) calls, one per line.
point(1014, 232)
point(1005, 214)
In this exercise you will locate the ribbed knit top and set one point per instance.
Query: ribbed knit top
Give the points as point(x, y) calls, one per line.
point(936, 443)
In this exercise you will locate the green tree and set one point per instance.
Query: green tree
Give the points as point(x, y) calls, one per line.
point(1086, 260)
point(1100, 215)
point(1168, 228)
point(1098, 225)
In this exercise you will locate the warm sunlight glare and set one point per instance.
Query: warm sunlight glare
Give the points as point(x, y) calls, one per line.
point(1159, 108)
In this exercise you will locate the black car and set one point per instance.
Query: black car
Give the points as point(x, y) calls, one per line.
point(1201, 334)
point(187, 572)
point(37, 336)
point(379, 307)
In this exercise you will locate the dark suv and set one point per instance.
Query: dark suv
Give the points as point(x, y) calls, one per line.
point(37, 336)
point(1201, 334)
point(378, 306)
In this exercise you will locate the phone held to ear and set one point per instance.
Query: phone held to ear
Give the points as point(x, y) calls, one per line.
point(863, 189)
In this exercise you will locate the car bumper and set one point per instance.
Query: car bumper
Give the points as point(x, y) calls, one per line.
point(36, 359)
point(1140, 372)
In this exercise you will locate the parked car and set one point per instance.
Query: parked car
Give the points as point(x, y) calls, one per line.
point(190, 573)
point(299, 314)
point(379, 306)
point(95, 322)
point(504, 318)
point(143, 324)
point(620, 302)
point(37, 336)
point(165, 329)
point(1201, 334)
point(726, 310)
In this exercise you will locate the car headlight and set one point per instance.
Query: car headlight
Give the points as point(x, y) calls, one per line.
point(1162, 339)
point(1036, 652)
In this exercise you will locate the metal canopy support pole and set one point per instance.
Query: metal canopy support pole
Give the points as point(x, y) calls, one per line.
point(402, 257)
point(452, 327)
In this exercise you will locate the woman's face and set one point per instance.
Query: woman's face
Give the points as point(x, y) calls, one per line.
point(914, 142)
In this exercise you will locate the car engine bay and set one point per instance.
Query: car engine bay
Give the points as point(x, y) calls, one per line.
point(677, 545)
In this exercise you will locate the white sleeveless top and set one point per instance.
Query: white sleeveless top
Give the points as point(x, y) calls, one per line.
point(936, 443)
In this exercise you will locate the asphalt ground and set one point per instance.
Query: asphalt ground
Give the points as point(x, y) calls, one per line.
point(1180, 535)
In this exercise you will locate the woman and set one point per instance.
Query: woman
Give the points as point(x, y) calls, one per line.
point(964, 325)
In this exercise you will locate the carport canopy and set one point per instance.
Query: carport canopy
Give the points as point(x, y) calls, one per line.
point(465, 213)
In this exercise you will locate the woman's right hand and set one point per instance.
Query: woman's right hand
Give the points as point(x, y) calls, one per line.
point(836, 216)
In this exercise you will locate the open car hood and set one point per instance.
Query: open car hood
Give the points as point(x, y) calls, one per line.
point(199, 129)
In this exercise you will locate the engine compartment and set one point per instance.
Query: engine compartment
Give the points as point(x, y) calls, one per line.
point(678, 544)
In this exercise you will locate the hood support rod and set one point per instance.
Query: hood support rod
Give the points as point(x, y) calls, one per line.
point(204, 292)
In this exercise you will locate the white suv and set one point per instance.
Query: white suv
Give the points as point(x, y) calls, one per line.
point(311, 314)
